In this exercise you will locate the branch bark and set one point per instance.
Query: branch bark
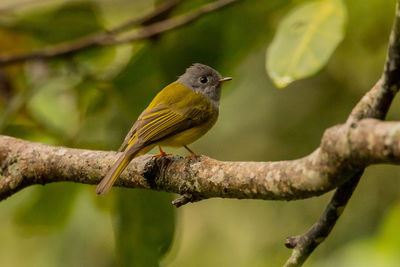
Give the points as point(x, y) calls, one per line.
point(344, 151)
point(109, 38)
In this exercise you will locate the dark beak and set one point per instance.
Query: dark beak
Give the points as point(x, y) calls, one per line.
point(225, 79)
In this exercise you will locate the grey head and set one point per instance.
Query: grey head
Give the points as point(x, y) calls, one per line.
point(204, 80)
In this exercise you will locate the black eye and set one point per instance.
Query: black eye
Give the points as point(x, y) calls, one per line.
point(203, 79)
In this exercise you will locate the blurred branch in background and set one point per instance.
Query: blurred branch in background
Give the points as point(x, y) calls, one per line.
point(5, 86)
point(6, 90)
point(109, 37)
point(24, 4)
point(375, 104)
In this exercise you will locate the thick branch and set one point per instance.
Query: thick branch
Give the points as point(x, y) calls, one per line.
point(344, 152)
point(109, 38)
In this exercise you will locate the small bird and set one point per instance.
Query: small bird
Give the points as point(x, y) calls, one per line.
point(180, 114)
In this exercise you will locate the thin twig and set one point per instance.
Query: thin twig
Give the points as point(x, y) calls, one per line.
point(305, 244)
point(107, 39)
point(163, 8)
point(172, 23)
point(24, 4)
point(85, 42)
point(375, 104)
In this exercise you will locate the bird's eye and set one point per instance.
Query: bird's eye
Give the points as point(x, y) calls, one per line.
point(203, 79)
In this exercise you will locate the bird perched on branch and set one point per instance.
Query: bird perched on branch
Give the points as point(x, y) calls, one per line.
point(180, 114)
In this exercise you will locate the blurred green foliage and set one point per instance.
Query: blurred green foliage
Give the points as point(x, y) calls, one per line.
point(34, 214)
point(91, 99)
point(144, 227)
point(305, 40)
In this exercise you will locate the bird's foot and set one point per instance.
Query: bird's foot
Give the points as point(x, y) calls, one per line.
point(162, 153)
point(192, 154)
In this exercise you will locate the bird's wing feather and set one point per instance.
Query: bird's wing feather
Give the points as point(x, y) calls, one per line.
point(175, 109)
point(167, 122)
point(128, 137)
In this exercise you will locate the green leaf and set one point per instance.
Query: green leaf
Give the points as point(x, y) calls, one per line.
point(305, 40)
point(145, 227)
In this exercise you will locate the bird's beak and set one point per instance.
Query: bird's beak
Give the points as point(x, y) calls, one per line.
point(225, 79)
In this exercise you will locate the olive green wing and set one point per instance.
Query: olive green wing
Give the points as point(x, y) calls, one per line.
point(158, 122)
point(175, 109)
point(164, 122)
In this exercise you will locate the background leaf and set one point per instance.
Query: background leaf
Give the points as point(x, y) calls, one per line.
point(144, 227)
point(305, 40)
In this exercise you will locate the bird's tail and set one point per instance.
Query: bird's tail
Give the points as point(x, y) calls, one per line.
point(117, 168)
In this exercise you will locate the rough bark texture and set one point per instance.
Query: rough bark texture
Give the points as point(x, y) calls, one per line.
point(344, 151)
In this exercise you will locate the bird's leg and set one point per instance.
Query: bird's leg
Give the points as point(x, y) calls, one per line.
point(192, 154)
point(162, 153)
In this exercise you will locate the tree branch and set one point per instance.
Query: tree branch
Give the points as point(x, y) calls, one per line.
point(149, 18)
point(344, 151)
point(374, 104)
point(305, 244)
point(109, 37)
point(169, 24)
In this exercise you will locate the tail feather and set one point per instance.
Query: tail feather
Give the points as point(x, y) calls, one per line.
point(117, 168)
point(104, 186)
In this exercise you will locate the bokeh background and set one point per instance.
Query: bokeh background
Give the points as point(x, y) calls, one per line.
point(90, 100)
